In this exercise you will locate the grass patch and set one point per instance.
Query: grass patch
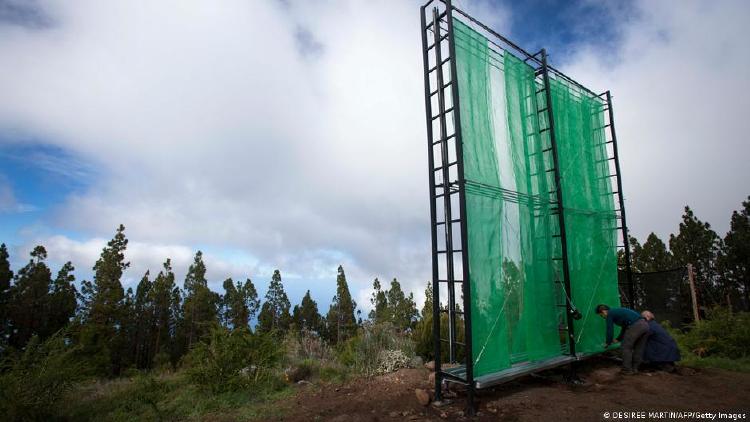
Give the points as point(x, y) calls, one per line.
point(736, 365)
point(171, 397)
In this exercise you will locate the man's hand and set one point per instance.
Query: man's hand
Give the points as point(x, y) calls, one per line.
point(615, 341)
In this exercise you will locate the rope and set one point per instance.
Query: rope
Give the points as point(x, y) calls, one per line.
point(487, 340)
point(591, 300)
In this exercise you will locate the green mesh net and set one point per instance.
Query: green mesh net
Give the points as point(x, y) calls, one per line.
point(590, 220)
point(517, 307)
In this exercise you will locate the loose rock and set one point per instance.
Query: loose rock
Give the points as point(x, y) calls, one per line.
point(423, 397)
point(416, 362)
point(604, 375)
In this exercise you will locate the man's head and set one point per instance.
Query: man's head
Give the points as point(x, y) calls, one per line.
point(648, 315)
point(602, 310)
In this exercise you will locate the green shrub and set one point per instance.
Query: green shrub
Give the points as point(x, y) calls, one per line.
point(148, 390)
point(722, 334)
point(425, 344)
point(33, 382)
point(302, 370)
point(364, 352)
point(307, 356)
point(233, 360)
point(333, 372)
point(305, 345)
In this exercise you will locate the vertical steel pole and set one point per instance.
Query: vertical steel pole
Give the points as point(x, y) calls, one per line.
point(560, 206)
point(624, 224)
point(447, 204)
point(433, 212)
point(458, 140)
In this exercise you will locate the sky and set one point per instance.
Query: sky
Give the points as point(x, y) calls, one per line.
point(290, 134)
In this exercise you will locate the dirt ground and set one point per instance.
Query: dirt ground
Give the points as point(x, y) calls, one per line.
point(545, 397)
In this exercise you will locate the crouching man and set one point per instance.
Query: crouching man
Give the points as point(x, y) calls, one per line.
point(661, 349)
point(633, 335)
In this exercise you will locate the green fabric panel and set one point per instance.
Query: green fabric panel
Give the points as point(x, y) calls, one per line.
point(511, 225)
point(482, 206)
point(538, 316)
point(514, 308)
point(590, 221)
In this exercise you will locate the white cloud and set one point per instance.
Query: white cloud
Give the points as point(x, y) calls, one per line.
point(210, 128)
point(680, 81)
point(8, 201)
point(294, 132)
point(142, 257)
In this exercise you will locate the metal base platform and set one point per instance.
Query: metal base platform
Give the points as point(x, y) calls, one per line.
point(514, 371)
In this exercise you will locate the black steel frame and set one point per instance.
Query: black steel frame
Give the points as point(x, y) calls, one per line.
point(447, 185)
point(610, 124)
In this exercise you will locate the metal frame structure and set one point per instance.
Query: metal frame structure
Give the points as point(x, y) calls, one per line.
point(448, 225)
point(612, 139)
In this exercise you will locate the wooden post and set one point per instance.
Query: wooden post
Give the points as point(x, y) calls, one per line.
point(693, 295)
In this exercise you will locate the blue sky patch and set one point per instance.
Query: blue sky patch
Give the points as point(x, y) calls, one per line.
point(39, 177)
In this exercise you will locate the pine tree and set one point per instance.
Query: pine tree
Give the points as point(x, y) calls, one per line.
point(106, 293)
point(143, 314)
point(227, 300)
point(423, 330)
point(250, 299)
point(735, 254)
point(654, 256)
point(177, 346)
point(102, 335)
point(240, 303)
point(308, 317)
point(635, 252)
point(6, 275)
point(29, 299)
point(164, 320)
point(274, 315)
point(62, 301)
point(697, 244)
point(379, 301)
point(200, 307)
point(128, 327)
point(402, 309)
point(340, 321)
point(427, 306)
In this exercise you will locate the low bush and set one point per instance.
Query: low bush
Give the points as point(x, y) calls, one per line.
point(148, 390)
point(306, 345)
point(721, 340)
point(364, 352)
point(309, 357)
point(722, 334)
point(425, 344)
point(33, 382)
point(391, 360)
point(233, 360)
point(168, 397)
